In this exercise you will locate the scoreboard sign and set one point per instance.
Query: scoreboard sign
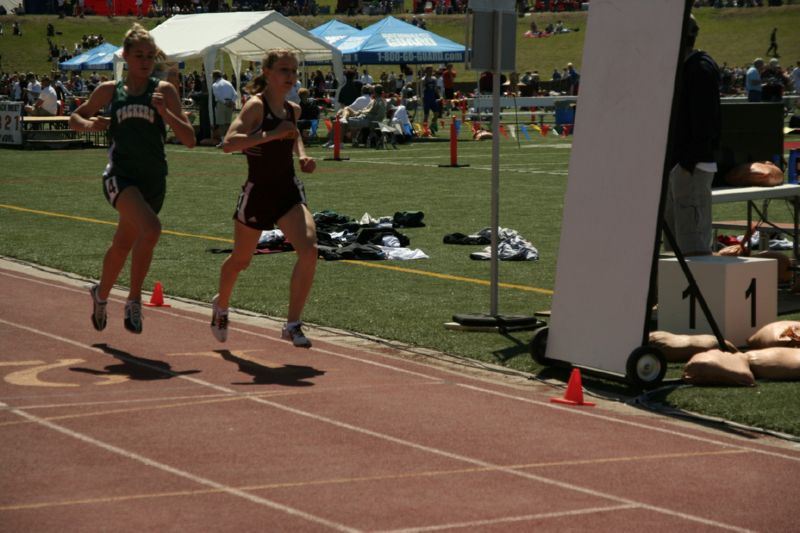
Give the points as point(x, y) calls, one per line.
point(11, 123)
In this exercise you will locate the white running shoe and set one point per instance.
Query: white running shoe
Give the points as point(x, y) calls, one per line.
point(99, 313)
point(219, 322)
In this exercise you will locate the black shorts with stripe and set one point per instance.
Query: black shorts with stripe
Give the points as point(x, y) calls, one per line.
point(261, 205)
point(153, 195)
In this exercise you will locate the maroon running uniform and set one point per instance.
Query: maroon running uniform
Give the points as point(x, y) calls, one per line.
point(272, 187)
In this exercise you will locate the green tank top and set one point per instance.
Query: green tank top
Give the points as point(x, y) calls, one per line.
point(137, 137)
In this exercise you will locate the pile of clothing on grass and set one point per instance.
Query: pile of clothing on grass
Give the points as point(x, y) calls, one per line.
point(343, 237)
point(511, 246)
point(369, 238)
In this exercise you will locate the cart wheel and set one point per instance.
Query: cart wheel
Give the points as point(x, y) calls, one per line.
point(538, 346)
point(646, 367)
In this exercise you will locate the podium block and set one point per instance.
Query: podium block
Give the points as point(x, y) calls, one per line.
point(742, 293)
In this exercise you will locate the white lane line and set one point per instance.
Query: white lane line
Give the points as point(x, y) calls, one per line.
point(153, 463)
point(182, 473)
point(511, 519)
point(165, 311)
point(591, 414)
point(402, 442)
point(638, 425)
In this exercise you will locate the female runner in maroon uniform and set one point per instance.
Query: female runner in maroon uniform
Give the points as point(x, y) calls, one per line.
point(266, 131)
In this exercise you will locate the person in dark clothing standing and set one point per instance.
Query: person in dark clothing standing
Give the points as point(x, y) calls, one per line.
point(688, 206)
point(350, 90)
point(773, 43)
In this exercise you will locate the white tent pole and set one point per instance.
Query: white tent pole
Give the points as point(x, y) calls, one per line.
point(208, 63)
point(495, 214)
point(338, 73)
point(236, 61)
point(119, 65)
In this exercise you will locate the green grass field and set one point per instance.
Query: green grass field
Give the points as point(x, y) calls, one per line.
point(52, 213)
point(733, 36)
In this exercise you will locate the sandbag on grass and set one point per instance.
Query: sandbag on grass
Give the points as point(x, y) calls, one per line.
point(716, 367)
point(780, 364)
point(785, 333)
point(680, 348)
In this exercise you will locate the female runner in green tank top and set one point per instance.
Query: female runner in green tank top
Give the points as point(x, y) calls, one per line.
point(135, 179)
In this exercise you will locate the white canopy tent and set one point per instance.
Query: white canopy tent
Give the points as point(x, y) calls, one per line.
point(244, 36)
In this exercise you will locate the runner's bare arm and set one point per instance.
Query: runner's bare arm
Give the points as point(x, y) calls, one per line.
point(165, 100)
point(83, 119)
point(245, 130)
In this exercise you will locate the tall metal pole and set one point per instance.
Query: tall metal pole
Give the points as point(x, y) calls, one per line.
point(495, 197)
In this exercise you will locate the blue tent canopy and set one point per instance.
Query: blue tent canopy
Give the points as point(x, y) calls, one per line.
point(102, 61)
point(392, 41)
point(98, 58)
point(333, 31)
point(88, 59)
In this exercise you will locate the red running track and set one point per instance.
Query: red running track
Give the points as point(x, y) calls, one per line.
point(172, 431)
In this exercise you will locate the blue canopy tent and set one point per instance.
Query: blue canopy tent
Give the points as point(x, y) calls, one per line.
point(392, 41)
point(98, 58)
point(333, 31)
point(88, 59)
point(104, 61)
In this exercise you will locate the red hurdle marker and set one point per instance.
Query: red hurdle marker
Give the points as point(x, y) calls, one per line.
point(453, 146)
point(337, 142)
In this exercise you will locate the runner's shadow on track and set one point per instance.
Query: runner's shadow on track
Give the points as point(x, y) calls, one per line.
point(136, 368)
point(287, 375)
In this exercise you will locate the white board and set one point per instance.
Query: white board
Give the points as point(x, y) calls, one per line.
point(616, 168)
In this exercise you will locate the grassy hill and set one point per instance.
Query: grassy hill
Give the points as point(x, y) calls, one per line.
point(734, 36)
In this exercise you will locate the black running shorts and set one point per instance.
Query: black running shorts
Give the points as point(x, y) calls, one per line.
point(114, 185)
point(260, 206)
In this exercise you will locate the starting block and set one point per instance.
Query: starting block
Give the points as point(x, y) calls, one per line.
point(741, 292)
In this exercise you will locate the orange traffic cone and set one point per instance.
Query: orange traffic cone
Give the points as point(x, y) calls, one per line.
point(157, 299)
point(574, 394)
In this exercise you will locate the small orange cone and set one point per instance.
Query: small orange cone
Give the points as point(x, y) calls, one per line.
point(574, 394)
point(157, 299)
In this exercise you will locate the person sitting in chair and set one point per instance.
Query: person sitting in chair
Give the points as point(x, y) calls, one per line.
point(364, 119)
point(358, 105)
point(398, 116)
point(354, 108)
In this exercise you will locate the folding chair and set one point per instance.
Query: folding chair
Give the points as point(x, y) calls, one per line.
point(381, 133)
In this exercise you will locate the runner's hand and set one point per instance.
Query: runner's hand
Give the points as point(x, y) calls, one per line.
point(285, 130)
point(307, 164)
point(100, 123)
point(159, 103)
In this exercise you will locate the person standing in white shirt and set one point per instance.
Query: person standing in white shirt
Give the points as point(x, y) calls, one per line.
point(795, 77)
point(753, 81)
point(366, 79)
point(46, 104)
point(225, 97)
point(16, 90)
point(32, 89)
